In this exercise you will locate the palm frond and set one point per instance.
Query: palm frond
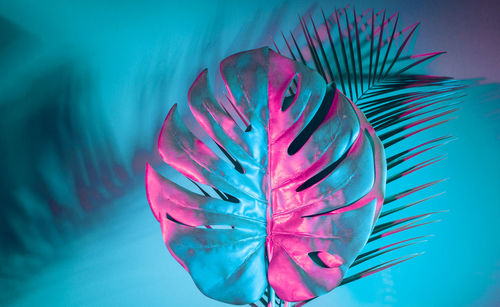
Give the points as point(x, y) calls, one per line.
point(369, 58)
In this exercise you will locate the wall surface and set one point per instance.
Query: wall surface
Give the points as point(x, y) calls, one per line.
point(84, 88)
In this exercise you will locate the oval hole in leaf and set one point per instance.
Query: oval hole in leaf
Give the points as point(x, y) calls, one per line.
point(226, 196)
point(219, 227)
point(315, 122)
point(324, 173)
point(291, 93)
point(170, 218)
point(326, 260)
point(236, 164)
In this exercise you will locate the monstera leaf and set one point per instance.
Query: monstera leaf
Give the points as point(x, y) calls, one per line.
point(288, 192)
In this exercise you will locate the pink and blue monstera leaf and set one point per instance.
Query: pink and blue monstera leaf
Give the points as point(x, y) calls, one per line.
point(297, 181)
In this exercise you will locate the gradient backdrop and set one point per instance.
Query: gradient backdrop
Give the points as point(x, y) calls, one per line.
point(84, 88)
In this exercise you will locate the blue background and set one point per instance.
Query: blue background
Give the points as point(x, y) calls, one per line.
point(84, 88)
